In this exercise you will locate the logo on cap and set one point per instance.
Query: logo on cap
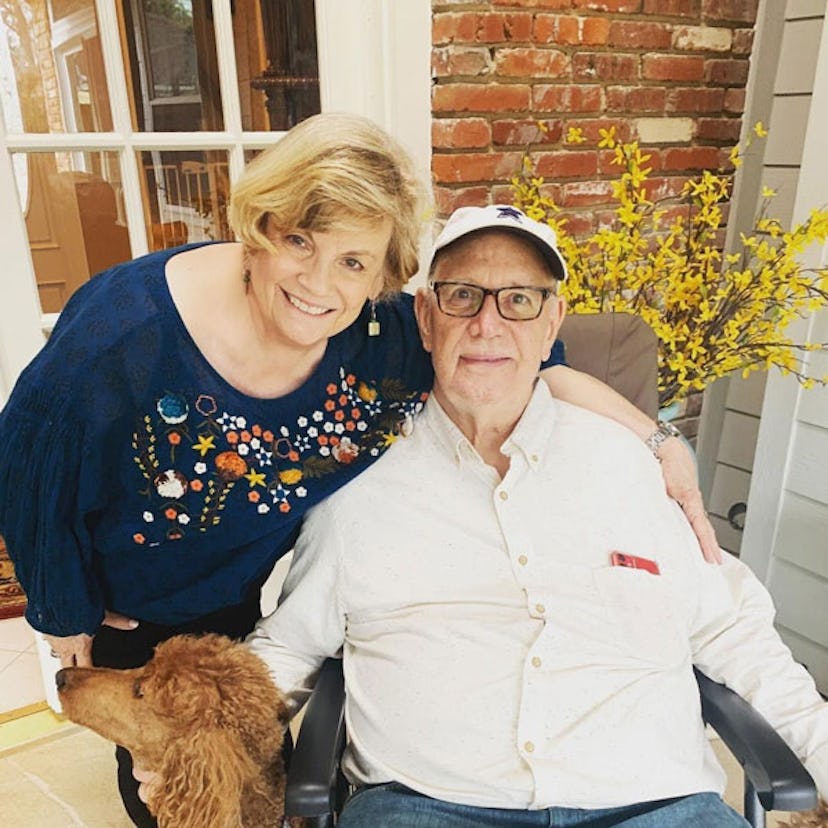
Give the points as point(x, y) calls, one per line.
point(509, 212)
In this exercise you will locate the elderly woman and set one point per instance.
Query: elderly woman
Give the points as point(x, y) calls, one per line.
point(157, 456)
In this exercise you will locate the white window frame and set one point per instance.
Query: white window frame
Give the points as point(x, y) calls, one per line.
point(374, 60)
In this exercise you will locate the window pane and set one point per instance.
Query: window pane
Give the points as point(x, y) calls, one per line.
point(276, 62)
point(51, 67)
point(74, 211)
point(172, 70)
point(185, 196)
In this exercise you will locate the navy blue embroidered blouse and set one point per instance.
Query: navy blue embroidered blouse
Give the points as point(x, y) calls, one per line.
point(134, 478)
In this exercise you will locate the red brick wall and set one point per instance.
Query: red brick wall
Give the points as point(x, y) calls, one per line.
point(670, 73)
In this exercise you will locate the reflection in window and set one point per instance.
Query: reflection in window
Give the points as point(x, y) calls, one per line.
point(171, 65)
point(173, 69)
point(74, 218)
point(185, 197)
point(51, 66)
point(171, 46)
point(290, 78)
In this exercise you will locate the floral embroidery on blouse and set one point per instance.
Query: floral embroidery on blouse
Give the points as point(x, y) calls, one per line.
point(193, 453)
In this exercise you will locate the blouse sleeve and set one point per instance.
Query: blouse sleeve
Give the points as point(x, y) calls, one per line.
point(558, 355)
point(41, 459)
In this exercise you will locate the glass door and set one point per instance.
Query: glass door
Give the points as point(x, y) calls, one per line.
point(123, 123)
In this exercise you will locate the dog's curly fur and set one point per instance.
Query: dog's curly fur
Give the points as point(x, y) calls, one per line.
point(206, 716)
point(818, 818)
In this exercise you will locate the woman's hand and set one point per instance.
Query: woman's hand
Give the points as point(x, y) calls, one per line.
point(76, 650)
point(148, 779)
point(72, 650)
point(679, 470)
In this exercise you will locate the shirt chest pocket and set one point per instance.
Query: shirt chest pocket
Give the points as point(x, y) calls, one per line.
point(643, 617)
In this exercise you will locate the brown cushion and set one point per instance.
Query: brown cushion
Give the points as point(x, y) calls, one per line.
point(619, 349)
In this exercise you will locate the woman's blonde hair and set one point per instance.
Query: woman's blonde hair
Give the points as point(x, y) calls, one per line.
point(330, 172)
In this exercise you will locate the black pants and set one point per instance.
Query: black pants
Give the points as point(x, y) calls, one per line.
point(124, 649)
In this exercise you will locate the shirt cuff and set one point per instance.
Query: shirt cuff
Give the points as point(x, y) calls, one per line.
point(817, 765)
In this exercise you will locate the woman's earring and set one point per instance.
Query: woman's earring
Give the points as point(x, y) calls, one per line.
point(373, 322)
point(246, 270)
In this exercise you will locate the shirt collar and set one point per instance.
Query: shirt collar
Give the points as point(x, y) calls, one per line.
point(529, 437)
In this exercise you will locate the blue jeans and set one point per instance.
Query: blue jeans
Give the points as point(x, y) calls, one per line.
point(395, 806)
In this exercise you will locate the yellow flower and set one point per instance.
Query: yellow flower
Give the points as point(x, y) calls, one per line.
point(575, 135)
point(767, 192)
point(759, 129)
point(607, 138)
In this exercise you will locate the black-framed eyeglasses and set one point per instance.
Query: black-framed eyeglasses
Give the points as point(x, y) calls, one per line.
point(517, 304)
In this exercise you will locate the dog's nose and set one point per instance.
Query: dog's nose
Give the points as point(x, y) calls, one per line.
point(60, 679)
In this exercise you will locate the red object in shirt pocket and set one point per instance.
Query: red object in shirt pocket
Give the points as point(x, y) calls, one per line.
point(634, 562)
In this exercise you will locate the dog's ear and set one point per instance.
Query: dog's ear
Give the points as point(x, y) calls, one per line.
point(201, 781)
point(214, 682)
point(255, 709)
point(192, 697)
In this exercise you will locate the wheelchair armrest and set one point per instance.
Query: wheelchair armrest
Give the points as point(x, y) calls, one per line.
point(780, 780)
point(312, 781)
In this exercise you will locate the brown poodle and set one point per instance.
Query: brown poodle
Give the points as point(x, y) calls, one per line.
point(817, 818)
point(206, 716)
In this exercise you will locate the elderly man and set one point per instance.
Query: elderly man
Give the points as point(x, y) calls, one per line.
point(518, 603)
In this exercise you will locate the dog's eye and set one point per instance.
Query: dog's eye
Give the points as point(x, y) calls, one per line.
point(137, 690)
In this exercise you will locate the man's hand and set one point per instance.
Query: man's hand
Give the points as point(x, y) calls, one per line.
point(76, 650)
point(679, 470)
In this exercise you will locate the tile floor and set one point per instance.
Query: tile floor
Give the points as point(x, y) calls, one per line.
point(21, 684)
point(64, 781)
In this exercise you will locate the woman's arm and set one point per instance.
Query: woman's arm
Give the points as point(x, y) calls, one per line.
point(677, 463)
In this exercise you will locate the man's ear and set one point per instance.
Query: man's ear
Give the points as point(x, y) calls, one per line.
point(556, 317)
point(422, 310)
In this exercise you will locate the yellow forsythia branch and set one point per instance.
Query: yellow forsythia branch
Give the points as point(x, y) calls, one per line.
point(714, 314)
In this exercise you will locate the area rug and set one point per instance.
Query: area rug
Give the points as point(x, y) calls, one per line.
point(12, 599)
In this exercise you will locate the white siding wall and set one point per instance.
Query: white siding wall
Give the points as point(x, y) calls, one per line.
point(737, 442)
point(731, 421)
point(786, 534)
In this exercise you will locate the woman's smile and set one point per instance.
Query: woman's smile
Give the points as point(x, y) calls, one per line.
point(313, 310)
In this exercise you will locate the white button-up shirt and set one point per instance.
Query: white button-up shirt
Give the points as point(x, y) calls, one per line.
point(493, 656)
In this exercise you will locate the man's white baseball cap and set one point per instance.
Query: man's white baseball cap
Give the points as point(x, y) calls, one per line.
point(467, 220)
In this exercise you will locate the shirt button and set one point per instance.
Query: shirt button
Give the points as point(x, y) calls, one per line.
point(534, 458)
point(540, 609)
point(536, 662)
point(529, 747)
point(503, 495)
point(523, 560)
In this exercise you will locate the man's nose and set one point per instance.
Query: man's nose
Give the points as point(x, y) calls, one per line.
point(488, 321)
